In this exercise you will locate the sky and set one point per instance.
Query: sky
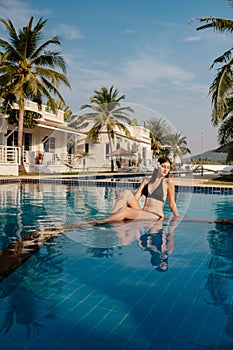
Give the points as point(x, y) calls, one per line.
point(148, 50)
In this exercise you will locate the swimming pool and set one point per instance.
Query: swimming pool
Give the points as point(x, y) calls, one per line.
point(100, 287)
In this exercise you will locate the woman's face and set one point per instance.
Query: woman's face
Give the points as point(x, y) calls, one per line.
point(165, 168)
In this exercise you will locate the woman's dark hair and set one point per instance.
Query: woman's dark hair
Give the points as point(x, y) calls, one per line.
point(159, 262)
point(162, 160)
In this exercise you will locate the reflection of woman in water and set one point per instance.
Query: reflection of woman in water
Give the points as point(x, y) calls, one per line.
point(159, 244)
point(156, 190)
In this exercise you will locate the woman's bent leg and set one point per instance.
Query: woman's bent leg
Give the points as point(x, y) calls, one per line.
point(124, 200)
point(122, 214)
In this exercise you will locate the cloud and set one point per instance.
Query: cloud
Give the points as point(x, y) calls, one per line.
point(19, 12)
point(70, 32)
point(130, 31)
point(147, 69)
point(192, 39)
point(143, 79)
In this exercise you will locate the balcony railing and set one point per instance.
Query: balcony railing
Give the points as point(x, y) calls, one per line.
point(45, 111)
point(9, 155)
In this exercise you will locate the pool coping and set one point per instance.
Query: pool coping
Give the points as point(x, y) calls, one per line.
point(182, 184)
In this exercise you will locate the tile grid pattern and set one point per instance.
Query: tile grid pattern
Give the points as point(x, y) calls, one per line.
point(221, 190)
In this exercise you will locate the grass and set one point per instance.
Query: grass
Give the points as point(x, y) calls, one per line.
point(222, 180)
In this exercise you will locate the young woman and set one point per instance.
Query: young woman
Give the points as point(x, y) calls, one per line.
point(156, 190)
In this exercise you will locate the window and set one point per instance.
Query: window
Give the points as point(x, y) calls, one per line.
point(27, 141)
point(119, 141)
point(107, 148)
point(70, 144)
point(86, 147)
point(144, 152)
point(49, 145)
point(12, 140)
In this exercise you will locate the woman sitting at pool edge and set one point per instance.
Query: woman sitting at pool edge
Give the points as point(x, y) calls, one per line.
point(156, 190)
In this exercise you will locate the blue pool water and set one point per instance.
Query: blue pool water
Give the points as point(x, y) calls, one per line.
point(100, 287)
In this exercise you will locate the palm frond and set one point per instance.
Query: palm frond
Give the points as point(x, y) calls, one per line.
point(220, 90)
point(107, 114)
point(217, 24)
point(223, 58)
point(225, 132)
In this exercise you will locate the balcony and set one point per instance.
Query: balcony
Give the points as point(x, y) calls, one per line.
point(9, 160)
point(45, 112)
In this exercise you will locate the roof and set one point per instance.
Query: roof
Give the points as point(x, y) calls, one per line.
point(121, 152)
point(58, 126)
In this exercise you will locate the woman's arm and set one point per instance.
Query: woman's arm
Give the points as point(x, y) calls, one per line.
point(171, 226)
point(171, 197)
point(138, 193)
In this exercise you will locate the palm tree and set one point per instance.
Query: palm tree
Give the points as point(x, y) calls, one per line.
point(7, 108)
point(225, 135)
point(27, 70)
point(134, 121)
point(158, 132)
point(108, 115)
point(62, 107)
point(221, 87)
point(178, 146)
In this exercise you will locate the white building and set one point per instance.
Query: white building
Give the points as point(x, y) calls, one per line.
point(54, 147)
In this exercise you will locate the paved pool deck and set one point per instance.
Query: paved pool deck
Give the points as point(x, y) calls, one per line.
point(199, 181)
point(191, 181)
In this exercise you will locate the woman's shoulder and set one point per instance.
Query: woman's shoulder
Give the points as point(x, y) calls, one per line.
point(169, 181)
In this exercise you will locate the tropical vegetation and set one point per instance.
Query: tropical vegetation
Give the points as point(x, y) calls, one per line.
point(61, 106)
point(28, 70)
point(177, 145)
point(166, 143)
point(158, 131)
point(108, 115)
point(221, 88)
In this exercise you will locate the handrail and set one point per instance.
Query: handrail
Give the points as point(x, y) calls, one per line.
point(9, 155)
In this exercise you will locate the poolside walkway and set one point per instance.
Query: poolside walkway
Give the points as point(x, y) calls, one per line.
point(196, 180)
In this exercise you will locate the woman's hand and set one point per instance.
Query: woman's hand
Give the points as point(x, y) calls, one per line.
point(120, 195)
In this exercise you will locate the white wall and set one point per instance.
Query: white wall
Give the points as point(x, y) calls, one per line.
point(9, 170)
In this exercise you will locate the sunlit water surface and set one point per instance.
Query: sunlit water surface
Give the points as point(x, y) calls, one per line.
point(102, 287)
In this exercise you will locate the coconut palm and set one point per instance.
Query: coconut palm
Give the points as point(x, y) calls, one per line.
point(27, 70)
point(158, 132)
point(8, 103)
point(62, 107)
point(134, 121)
point(177, 145)
point(221, 87)
point(107, 113)
point(225, 136)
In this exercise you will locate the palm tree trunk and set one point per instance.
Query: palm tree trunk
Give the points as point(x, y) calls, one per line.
point(174, 161)
point(20, 140)
point(112, 165)
point(111, 150)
